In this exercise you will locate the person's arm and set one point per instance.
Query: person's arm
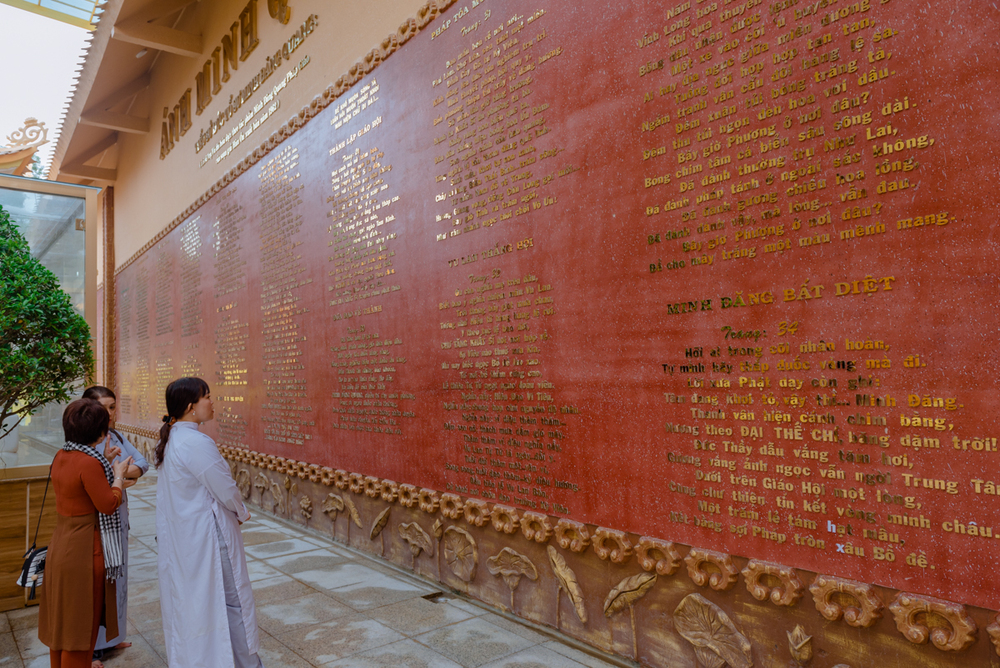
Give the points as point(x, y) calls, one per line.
point(106, 498)
point(139, 463)
point(213, 472)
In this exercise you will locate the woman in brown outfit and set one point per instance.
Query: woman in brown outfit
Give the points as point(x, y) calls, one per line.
point(85, 556)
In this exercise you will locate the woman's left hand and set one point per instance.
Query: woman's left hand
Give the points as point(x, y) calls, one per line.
point(119, 469)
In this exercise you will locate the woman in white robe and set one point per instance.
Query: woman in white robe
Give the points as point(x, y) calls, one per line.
point(200, 548)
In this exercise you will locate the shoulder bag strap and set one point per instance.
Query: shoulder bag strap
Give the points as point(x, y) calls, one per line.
point(45, 494)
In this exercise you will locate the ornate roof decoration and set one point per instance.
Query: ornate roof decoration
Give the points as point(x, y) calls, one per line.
point(16, 156)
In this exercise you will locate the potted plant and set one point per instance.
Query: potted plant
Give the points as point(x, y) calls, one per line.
point(44, 343)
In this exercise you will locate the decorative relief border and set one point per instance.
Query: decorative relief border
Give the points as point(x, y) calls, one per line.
point(945, 624)
point(359, 70)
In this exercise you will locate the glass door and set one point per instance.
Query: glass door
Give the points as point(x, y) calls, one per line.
point(60, 222)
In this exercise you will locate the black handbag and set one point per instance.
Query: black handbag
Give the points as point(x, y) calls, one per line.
point(34, 558)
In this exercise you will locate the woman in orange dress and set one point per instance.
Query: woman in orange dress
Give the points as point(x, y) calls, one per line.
point(77, 594)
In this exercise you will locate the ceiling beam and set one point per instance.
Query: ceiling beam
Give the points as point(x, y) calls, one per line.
point(139, 29)
point(126, 92)
point(77, 169)
point(115, 121)
point(86, 172)
point(96, 149)
point(99, 116)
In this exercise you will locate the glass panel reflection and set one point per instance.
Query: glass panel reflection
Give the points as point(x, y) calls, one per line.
point(53, 226)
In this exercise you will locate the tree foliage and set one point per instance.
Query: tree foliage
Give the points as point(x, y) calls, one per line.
point(44, 343)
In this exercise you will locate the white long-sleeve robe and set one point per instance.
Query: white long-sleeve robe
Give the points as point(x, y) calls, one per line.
point(194, 490)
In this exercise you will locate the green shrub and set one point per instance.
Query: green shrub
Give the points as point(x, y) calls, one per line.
point(44, 344)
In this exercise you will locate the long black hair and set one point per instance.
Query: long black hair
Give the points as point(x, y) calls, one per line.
point(180, 394)
point(98, 392)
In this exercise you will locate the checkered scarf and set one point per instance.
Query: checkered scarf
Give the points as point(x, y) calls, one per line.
point(111, 525)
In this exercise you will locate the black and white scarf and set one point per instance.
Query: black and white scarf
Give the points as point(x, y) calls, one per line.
point(111, 525)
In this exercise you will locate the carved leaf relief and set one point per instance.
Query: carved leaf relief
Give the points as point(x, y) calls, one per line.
point(627, 592)
point(712, 634)
point(277, 499)
point(511, 565)
point(332, 505)
point(243, 482)
point(306, 508)
point(353, 510)
point(262, 483)
point(460, 552)
point(380, 522)
point(567, 582)
point(417, 539)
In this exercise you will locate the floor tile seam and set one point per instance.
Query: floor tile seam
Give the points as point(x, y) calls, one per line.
point(437, 652)
point(340, 658)
point(277, 639)
point(318, 588)
point(152, 647)
point(494, 659)
point(293, 573)
point(419, 633)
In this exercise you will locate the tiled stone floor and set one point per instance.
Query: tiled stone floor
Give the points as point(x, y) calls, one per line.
point(318, 604)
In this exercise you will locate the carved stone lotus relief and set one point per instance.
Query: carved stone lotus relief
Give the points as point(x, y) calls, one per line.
point(714, 637)
point(460, 552)
point(417, 539)
point(511, 566)
point(567, 583)
point(800, 645)
point(243, 482)
point(378, 525)
point(625, 595)
point(921, 619)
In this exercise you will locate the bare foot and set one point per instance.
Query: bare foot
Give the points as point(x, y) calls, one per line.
point(96, 664)
point(122, 645)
